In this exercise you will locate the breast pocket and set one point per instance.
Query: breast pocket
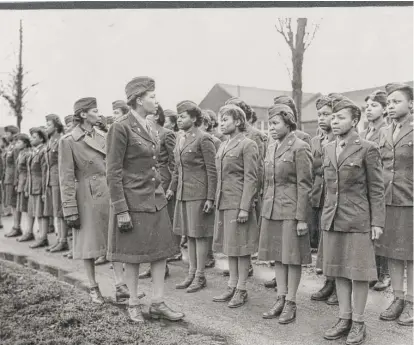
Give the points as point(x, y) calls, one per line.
point(351, 171)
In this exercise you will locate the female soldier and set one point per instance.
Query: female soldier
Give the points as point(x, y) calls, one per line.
point(140, 227)
point(69, 124)
point(3, 144)
point(119, 108)
point(353, 216)
point(194, 217)
point(53, 200)
point(36, 186)
point(284, 232)
point(375, 111)
point(236, 231)
point(215, 124)
point(23, 144)
point(171, 120)
point(396, 146)
point(84, 190)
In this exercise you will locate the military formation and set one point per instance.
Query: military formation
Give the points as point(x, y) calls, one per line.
point(134, 187)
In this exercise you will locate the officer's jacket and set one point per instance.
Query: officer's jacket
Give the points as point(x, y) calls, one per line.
point(216, 141)
point(318, 188)
point(133, 178)
point(22, 169)
point(52, 154)
point(354, 199)
point(166, 161)
point(10, 172)
point(195, 175)
point(288, 180)
point(397, 159)
point(237, 164)
point(376, 134)
point(303, 136)
point(36, 171)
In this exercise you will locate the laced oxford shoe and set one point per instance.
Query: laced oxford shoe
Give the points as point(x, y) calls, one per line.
point(40, 243)
point(357, 333)
point(288, 314)
point(197, 284)
point(135, 314)
point(406, 317)
point(96, 296)
point(121, 293)
point(383, 283)
point(211, 262)
point(277, 308)
point(14, 232)
point(177, 257)
point(372, 283)
point(226, 273)
point(146, 274)
point(51, 247)
point(26, 237)
point(238, 299)
point(333, 299)
point(60, 247)
point(394, 311)
point(341, 329)
point(270, 284)
point(319, 271)
point(162, 311)
point(186, 283)
point(324, 293)
point(226, 296)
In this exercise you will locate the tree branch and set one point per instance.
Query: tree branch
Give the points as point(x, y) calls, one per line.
point(285, 29)
point(287, 67)
point(311, 35)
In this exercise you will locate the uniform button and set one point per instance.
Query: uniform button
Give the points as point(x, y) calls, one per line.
point(337, 193)
point(392, 170)
point(153, 168)
point(390, 182)
point(154, 157)
point(153, 146)
point(94, 177)
point(153, 179)
point(90, 162)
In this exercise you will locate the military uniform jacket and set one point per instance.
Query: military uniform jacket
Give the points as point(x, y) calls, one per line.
point(52, 154)
point(376, 134)
point(166, 161)
point(258, 137)
point(195, 175)
point(354, 199)
point(22, 169)
point(303, 136)
point(397, 159)
point(36, 171)
point(318, 188)
point(237, 164)
point(216, 141)
point(10, 172)
point(288, 180)
point(133, 178)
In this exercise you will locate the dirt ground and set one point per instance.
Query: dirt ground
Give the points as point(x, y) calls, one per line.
point(37, 309)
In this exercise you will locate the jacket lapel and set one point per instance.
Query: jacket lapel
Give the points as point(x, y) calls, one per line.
point(406, 129)
point(233, 143)
point(331, 153)
point(95, 142)
point(353, 145)
point(285, 145)
point(138, 129)
point(191, 136)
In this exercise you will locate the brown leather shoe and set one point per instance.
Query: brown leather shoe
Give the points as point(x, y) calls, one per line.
point(186, 283)
point(288, 314)
point(357, 333)
point(226, 296)
point(210, 263)
point(319, 271)
point(394, 311)
point(341, 329)
point(324, 293)
point(51, 229)
point(406, 317)
point(146, 274)
point(226, 273)
point(162, 311)
point(14, 232)
point(333, 299)
point(197, 284)
point(70, 255)
point(121, 293)
point(48, 249)
point(26, 237)
point(270, 284)
point(96, 296)
point(60, 247)
point(40, 244)
point(239, 299)
point(383, 283)
point(277, 308)
point(135, 314)
point(101, 261)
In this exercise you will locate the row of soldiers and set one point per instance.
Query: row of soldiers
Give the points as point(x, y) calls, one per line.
point(158, 176)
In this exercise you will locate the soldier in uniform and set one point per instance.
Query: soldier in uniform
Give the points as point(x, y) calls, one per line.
point(396, 146)
point(353, 217)
point(69, 124)
point(84, 191)
point(284, 235)
point(119, 108)
point(194, 183)
point(170, 120)
point(140, 227)
point(215, 124)
point(236, 231)
point(3, 144)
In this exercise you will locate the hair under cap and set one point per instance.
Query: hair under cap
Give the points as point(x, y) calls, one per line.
point(169, 112)
point(68, 119)
point(11, 129)
point(343, 103)
point(285, 111)
point(85, 104)
point(234, 100)
point(287, 100)
point(52, 117)
point(378, 96)
point(392, 87)
point(119, 104)
point(41, 132)
point(138, 86)
point(186, 106)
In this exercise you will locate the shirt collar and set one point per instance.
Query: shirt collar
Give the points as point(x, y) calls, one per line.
point(139, 118)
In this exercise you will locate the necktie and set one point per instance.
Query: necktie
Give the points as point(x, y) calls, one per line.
point(396, 132)
point(182, 141)
point(340, 148)
point(370, 133)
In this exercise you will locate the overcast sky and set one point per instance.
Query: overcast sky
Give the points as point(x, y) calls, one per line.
point(74, 53)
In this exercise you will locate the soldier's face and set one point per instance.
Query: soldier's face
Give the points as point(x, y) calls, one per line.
point(149, 102)
point(35, 140)
point(185, 121)
point(325, 118)
point(373, 110)
point(398, 105)
point(8, 136)
point(228, 125)
point(50, 127)
point(91, 116)
point(117, 112)
point(278, 129)
point(20, 144)
point(168, 123)
point(342, 122)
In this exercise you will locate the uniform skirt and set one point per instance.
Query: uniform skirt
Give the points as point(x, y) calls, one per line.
point(349, 255)
point(35, 206)
point(397, 240)
point(151, 238)
point(22, 202)
point(232, 238)
point(279, 242)
point(53, 202)
point(190, 220)
point(10, 196)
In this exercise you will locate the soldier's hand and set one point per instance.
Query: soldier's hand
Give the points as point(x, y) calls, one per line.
point(376, 232)
point(208, 206)
point(73, 221)
point(124, 222)
point(169, 195)
point(43, 198)
point(243, 216)
point(302, 228)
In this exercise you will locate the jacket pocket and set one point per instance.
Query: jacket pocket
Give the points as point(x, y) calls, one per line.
point(97, 186)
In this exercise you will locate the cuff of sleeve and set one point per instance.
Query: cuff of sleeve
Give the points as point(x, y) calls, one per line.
point(380, 225)
point(300, 218)
point(245, 207)
point(120, 206)
point(70, 210)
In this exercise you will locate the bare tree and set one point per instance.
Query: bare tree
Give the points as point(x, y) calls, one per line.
point(15, 91)
point(298, 43)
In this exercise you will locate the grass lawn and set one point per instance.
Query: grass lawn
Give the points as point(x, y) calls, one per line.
point(37, 309)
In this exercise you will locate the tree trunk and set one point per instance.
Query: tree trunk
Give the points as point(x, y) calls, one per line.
point(19, 81)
